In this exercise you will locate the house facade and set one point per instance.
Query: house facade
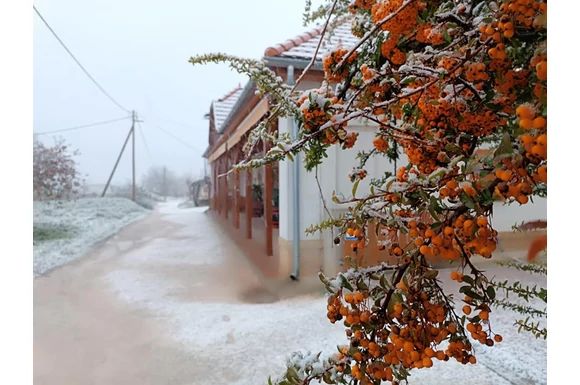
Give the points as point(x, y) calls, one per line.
point(267, 210)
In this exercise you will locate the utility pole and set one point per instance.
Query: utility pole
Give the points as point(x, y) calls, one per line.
point(131, 134)
point(134, 194)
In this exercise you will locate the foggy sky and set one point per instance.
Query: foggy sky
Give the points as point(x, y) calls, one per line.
point(138, 52)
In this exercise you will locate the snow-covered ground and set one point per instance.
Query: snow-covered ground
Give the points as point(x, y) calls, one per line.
point(78, 225)
point(241, 344)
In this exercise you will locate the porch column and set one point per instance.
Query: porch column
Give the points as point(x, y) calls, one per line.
point(249, 203)
point(226, 184)
point(268, 194)
point(218, 187)
point(236, 176)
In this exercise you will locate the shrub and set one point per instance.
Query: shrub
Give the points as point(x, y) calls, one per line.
point(440, 79)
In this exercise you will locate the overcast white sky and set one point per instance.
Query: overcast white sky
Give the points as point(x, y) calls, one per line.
point(138, 51)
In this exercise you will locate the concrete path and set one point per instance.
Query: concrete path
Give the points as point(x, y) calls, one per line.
point(84, 333)
point(171, 300)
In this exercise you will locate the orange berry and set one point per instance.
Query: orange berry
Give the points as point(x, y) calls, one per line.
point(498, 338)
point(542, 70)
point(525, 112)
point(356, 233)
point(508, 34)
point(427, 362)
point(539, 122)
point(350, 232)
point(522, 199)
point(482, 221)
point(467, 309)
point(526, 124)
point(452, 328)
point(484, 315)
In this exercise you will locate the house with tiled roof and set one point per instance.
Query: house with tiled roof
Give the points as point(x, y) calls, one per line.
point(267, 210)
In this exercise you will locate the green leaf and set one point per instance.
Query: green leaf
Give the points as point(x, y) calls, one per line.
point(467, 201)
point(505, 146)
point(468, 279)
point(355, 187)
point(345, 283)
point(446, 36)
point(362, 286)
point(407, 80)
point(436, 226)
point(452, 148)
point(289, 155)
point(384, 283)
point(431, 274)
point(490, 292)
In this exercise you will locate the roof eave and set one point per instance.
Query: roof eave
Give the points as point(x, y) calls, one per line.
point(297, 63)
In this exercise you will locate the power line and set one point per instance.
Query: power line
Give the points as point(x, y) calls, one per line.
point(145, 142)
point(178, 139)
point(79, 63)
point(177, 123)
point(84, 126)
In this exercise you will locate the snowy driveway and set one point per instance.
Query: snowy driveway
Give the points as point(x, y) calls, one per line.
point(168, 301)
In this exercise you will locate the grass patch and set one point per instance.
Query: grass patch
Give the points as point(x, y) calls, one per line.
point(49, 232)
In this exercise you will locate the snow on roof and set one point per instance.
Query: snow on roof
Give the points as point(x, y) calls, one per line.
point(304, 46)
point(223, 106)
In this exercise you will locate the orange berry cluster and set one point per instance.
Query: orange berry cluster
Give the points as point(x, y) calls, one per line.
point(330, 63)
point(475, 327)
point(408, 335)
point(360, 244)
point(524, 13)
point(400, 25)
point(380, 144)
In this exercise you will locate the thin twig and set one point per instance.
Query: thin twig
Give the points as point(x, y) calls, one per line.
point(276, 110)
point(372, 32)
point(317, 47)
point(321, 194)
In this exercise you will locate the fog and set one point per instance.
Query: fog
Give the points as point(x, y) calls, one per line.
point(138, 52)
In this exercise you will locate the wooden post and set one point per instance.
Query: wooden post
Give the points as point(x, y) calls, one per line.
point(134, 184)
point(268, 195)
point(236, 192)
point(249, 204)
point(226, 184)
point(218, 195)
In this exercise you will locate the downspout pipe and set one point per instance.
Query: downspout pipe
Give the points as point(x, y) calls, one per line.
point(296, 195)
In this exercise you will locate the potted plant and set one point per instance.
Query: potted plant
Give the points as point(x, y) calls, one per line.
point(275, 208)
point(257, 200)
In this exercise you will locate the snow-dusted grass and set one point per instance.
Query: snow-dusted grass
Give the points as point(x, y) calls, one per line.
point(65, 230)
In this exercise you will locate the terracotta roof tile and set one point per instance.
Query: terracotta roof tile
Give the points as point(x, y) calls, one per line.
point(223, 106)
point(304, 46)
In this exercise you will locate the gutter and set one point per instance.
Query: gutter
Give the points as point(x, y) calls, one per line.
point(296, 196)
point(279, 61)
